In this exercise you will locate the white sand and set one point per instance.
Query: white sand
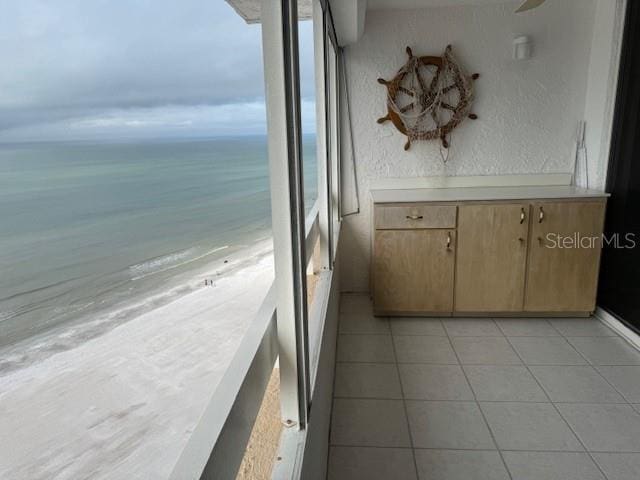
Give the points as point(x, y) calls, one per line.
point(122, 405)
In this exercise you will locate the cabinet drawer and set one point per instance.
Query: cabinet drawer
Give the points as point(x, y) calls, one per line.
point(394, 217)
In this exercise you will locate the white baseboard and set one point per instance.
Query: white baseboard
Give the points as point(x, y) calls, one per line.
point(620, 328)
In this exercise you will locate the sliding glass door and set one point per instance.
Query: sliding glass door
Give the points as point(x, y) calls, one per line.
point(619, 290)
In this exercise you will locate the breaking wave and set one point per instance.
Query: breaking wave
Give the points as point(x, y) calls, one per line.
point(168, 262)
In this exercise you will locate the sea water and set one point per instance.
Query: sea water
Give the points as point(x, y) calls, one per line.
point(88, 227)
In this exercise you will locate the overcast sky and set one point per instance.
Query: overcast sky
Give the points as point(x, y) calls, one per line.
point(100, 69)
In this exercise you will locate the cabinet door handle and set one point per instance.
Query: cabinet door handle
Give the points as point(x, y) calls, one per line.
point(449, 241)
point(522, 216)
point(414, 217)
point(541, 215)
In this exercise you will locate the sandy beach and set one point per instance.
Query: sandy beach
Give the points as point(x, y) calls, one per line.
point(122, 404)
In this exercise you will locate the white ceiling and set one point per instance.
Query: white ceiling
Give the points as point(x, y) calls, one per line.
point(349, 15)
point(389, 4)
point(250, 9)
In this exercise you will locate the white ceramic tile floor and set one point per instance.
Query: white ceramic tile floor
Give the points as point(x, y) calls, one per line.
point(626, 379)
point(485, 351)
point(546, 351)
point(363, 323)
point(504, 383)
point(417, 326)
point(519, 399)
point(527, 327)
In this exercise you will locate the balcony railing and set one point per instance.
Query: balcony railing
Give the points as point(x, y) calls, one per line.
point(217, 445)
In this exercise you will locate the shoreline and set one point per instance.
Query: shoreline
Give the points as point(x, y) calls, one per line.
point(123, 404)
point(74, 333)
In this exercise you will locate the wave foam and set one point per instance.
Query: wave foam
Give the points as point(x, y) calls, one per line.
point(158, 262)
point(156, 265)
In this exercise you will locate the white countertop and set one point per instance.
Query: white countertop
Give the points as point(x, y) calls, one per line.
point(459, 194)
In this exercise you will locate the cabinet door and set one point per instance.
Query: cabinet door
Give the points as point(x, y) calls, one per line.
point(413, 271)
point(491, 257)
point(564, 256)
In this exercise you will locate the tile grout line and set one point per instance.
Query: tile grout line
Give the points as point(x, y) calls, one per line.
point(486, 422)
point(588, 362)
point(333, 391)
point(488, 364)
point(456, 400)
point(555, 328)
point(555, 407)
point(510, 450)
point(624, 397)
point(330, 445)
point(390, 333)
point(474, 336)
point(595, 367)
point(558, 334)
point(404, 404)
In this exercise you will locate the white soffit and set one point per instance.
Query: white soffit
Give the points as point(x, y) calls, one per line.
point(250, 9)
point(348, 18)
point(405, 4)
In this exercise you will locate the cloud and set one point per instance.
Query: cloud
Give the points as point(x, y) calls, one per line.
point(172, 121)
point(111, 66)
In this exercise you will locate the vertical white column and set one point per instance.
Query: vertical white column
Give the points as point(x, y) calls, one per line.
point(324, 193)
point(279, 43)
point(333, 67)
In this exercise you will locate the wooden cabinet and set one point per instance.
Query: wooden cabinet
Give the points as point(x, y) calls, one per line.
point(564, 256)
point(466, 258)
point(413, 270)
point(491, 257)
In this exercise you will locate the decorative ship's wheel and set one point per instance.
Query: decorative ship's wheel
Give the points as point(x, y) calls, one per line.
point(429, 97)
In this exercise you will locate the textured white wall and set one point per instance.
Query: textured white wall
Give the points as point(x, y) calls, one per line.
point(528, 111)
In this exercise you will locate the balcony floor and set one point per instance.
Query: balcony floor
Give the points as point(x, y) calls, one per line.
point(449, 399)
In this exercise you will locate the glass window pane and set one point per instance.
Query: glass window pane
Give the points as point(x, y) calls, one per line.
point(308, 111)
point(135, 225)
point(333, 136)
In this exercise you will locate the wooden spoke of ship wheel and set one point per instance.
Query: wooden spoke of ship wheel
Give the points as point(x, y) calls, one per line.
point(420, 79)
point(449, 88)
point(434, 81)
point(407, 108)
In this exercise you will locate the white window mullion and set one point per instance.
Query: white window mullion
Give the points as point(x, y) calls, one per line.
point(322, 151)
point(282, 91)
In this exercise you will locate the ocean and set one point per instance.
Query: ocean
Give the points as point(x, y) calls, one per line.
point(90, 229)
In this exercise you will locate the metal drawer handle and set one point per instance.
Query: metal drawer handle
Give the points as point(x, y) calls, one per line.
point(449, 241)
point(541, 215)
point(522, 216)
point(414, 217)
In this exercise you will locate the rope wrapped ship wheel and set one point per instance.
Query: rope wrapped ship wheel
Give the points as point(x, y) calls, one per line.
point(429, 97)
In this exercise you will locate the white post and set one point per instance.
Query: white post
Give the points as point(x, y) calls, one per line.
point(324, 192)
point(281, 71)
point(335, 113)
